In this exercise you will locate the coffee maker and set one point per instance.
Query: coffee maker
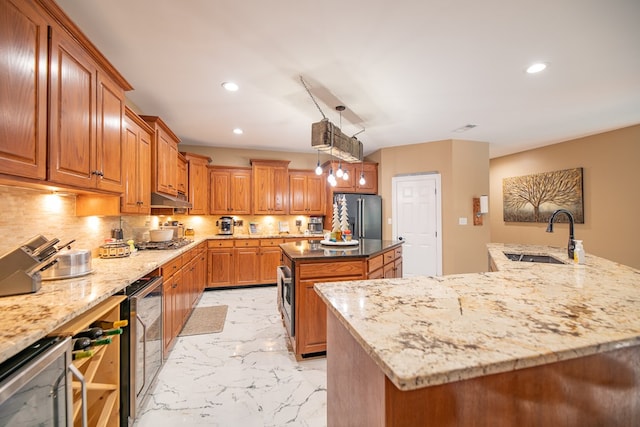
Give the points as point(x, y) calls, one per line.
point(315, 224)
point(225, 225)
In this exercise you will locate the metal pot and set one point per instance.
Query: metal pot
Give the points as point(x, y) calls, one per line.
point(161, 235)
point(69, 264)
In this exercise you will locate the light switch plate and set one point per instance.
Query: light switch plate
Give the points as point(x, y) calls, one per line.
point(462, 220)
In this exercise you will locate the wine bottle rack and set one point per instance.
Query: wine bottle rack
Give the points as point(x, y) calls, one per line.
point(101, 371)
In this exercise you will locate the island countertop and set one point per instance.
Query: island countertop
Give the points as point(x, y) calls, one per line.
point(313, 249)
point(425, 331)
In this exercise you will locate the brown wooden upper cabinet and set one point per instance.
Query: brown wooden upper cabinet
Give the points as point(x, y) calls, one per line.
point(85, 110)
point(352, 185)
point(307, 192)
point(230, 190)
point(270, 186)
point(136, 165)
point(164, 157)
point(198, 183)
point(86, 138)
point(183, 176)
point(23, 140)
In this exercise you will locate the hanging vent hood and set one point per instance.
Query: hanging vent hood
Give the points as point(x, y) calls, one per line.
point(163, 201)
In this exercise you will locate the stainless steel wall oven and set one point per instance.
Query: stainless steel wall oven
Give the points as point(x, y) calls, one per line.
point(287, 297)
point(141, 344)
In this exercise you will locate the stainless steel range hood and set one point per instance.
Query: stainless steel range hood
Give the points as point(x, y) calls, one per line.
point(163, 201)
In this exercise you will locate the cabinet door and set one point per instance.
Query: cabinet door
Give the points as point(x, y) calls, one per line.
point(144, 172)
point(280, 191)
point(23, 140)
point(262, 190)
point(168, 313)
point(311, 320)
point(129, 202)
point(370, 171)
point(316, 192)
point(182, 175)
point(220, 188)
point(240, 192)
point(110, 137)
point(167, 164)
point(72, 127)
point(220, 266)
point(198, 180)
point(270, 259)
point(297, 194)
point(247, 265)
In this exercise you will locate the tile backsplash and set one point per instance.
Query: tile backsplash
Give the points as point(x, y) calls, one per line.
point(29, 212)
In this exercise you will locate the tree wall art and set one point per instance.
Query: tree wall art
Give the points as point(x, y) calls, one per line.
point(533, 198)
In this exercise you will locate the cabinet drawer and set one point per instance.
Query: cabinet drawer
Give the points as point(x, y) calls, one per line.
point(375, 263)
point(220, 243)
point(332, 269)
point(271, 242)
point(245, 243)
point(398, 252)
point(389, 256)
point(171, 267)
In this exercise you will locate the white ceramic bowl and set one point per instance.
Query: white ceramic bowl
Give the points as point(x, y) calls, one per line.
point(161, 235)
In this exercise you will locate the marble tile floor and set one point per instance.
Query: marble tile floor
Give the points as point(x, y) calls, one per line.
point(243, 376)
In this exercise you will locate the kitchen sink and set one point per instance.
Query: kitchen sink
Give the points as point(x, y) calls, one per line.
point(548, 259)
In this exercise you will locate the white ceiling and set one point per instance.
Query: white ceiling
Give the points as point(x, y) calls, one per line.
point(408, 71)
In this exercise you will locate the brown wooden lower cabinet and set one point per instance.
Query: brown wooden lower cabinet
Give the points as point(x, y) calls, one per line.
point(183, 284)
point(243, 262)
point(597, 390)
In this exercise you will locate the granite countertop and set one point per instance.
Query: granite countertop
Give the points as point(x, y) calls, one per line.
point(425, 331)
point(27, 318)
point(313, 249)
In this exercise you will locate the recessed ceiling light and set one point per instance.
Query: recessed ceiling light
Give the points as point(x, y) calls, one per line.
point(536, 68)
point(230, 86)
point(238, 131)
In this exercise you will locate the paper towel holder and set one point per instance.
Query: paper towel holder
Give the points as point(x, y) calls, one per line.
point(480, 208)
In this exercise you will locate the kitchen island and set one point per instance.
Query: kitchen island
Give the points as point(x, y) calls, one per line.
point(308, 262)
point(528, 344)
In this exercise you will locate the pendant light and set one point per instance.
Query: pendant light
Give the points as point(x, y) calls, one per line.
point(318, 167)
point(345, 175)
point(362, 181)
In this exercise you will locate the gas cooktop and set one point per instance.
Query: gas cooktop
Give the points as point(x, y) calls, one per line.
point(169, 244)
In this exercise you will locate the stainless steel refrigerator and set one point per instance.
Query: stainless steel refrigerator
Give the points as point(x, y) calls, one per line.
point(365, 214)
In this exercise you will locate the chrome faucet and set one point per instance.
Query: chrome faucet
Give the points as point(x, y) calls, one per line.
point(572, 243)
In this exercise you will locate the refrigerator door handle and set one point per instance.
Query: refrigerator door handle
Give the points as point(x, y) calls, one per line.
point(361, 218)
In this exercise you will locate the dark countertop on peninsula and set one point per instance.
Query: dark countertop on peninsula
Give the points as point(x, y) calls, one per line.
point(313, 249)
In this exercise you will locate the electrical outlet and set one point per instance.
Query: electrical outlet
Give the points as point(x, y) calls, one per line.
point(462, 220)
point(298, 222)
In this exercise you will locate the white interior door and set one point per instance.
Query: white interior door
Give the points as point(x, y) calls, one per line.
point(417, 219)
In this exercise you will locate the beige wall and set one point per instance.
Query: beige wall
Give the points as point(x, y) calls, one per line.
point(236, 157)
point(464, 167)
point(611, 174)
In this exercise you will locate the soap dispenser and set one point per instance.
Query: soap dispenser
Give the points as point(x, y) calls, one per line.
point(578, 253)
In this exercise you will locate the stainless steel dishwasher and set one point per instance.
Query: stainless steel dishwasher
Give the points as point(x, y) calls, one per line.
point(141, 344)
